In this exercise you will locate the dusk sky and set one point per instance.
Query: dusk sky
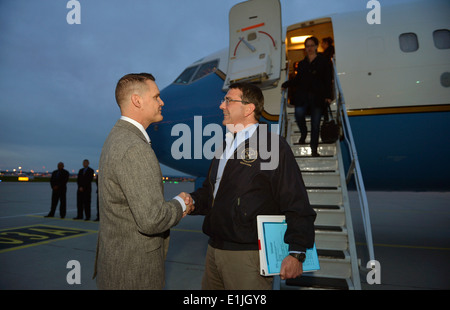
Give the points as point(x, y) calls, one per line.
point(57, 80)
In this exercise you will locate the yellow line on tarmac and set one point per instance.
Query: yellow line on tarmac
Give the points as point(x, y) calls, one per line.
point(77, 233)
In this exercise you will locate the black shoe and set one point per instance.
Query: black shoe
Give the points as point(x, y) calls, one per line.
point(301, 141)
point(87, 219)
point(315, 154)
point(48, 215)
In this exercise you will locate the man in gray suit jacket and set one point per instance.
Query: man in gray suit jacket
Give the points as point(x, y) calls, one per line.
point(135, 218)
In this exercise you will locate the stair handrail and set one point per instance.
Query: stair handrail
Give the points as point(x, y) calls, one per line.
point(282, 120)
point(354, 168)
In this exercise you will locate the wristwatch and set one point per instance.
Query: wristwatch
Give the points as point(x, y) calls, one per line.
point(300, 256)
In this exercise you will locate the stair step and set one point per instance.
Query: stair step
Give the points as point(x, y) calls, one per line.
point(321, 179)
point(330, 217)
point(324, 164)
point(333, 263)
point(325, 196)
point(333, 267)
point(328, 228)
point(305, 149)
point(327, 207)
point(331, 239)
point(330, 254)
point(313, 282)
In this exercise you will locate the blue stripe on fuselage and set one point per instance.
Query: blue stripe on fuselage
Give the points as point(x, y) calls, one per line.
point(403, 151)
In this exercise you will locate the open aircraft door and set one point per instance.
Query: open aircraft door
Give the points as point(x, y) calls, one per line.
point(255, 43)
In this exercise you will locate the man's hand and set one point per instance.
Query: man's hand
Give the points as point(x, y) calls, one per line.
point(188, 202)
point(290, 268)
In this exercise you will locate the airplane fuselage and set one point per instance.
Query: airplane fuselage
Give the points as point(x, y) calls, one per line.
point(395, 79)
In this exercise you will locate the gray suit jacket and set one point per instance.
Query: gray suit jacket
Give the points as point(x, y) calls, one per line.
point(133, 213)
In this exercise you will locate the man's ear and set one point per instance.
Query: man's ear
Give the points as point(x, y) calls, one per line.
point(136, 100)
point(249, 109)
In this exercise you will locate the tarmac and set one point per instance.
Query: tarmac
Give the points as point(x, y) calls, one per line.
point(411, 235)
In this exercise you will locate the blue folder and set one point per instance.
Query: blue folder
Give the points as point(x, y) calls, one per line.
point(273, 249)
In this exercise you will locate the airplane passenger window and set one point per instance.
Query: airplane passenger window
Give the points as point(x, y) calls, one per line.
point(206, 69)
point(185, 77)
point(441, 38)
point(408, 42)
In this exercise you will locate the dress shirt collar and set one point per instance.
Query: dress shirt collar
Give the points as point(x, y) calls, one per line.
point(243, 135)
point(138, 125)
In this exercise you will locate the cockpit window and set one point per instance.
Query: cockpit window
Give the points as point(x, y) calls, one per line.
point(194, 73)
point(206, 69)
point(185, 77)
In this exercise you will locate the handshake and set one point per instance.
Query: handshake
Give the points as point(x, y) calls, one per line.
point(189, 202)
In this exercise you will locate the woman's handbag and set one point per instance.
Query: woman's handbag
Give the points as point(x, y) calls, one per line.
point(329, 132)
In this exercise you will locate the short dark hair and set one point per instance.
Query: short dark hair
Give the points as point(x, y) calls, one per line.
point(328, 40)
point(251, 94)
point(130, 80)
point(314, 39)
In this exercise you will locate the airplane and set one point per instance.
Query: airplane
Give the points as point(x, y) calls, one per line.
point(394, 73)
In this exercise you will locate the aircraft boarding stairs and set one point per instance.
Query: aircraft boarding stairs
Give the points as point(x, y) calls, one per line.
point(325, 181)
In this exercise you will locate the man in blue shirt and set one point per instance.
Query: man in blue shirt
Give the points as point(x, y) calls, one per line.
point(241, 184)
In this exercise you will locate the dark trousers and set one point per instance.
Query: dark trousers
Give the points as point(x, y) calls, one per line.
point(84, 204)
point(58, 195)
point(316, 114)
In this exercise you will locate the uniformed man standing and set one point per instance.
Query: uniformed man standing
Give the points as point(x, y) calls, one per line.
point(84, 180)
point(58, 183)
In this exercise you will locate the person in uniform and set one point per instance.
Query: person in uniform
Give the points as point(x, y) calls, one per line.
point(58, 183)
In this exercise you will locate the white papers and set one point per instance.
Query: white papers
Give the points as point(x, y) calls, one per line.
point(272, 249)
